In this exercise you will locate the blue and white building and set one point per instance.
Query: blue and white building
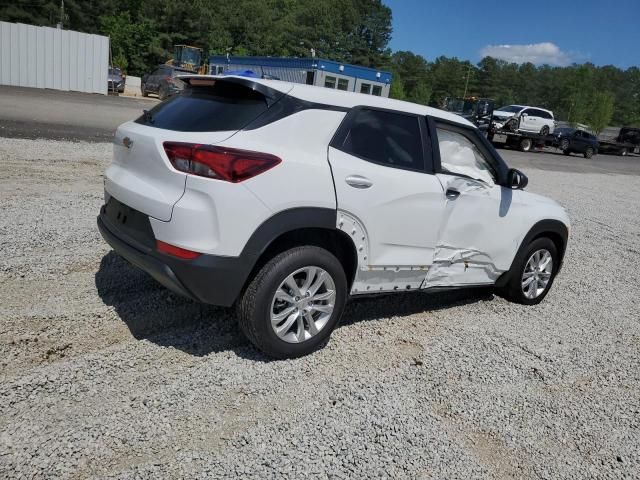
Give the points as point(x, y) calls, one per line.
point(311, 71)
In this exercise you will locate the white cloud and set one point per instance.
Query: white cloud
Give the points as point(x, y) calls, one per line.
point(536, 53)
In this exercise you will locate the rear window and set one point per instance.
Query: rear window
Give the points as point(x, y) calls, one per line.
point(221, 107)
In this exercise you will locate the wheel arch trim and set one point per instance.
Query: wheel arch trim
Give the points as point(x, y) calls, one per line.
point(542, 228)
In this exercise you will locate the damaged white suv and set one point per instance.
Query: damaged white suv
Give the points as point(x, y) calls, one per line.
point(285, 199)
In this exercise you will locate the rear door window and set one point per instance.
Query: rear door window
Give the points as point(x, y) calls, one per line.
point(225, 106)
point(387, 138)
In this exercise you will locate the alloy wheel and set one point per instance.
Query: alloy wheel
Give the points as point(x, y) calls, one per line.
point(303, 304)
point(537, 274)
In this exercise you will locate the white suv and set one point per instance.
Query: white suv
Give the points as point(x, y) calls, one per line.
point(527, 119)
point(286, 199)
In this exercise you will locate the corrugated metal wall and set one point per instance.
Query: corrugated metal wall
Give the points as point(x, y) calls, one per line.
point(44, 57)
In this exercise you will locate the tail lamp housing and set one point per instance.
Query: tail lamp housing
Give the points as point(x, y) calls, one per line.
point(220, 163)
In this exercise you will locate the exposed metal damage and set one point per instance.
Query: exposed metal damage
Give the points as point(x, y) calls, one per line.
point(455, 266)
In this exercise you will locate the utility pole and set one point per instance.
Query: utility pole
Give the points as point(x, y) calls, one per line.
point(466, 85)
point(61, 23)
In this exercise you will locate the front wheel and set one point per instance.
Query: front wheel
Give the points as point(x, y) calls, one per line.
point(532, 272)
point(544, 131)
point(588, 153)
point(294, 302)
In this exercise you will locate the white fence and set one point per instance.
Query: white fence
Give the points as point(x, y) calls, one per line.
point(43, 57)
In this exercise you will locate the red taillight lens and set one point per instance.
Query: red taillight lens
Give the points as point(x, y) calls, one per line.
point(176, 251)
point(228, 164)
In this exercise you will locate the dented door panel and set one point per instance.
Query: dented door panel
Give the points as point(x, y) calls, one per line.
point(479, 233)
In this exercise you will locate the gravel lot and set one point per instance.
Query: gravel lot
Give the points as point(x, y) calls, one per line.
point(103, 373)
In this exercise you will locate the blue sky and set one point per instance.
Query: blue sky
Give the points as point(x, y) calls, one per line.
point(555, 32)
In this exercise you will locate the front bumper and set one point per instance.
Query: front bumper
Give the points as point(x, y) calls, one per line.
point(207, 278)
point(116, 87)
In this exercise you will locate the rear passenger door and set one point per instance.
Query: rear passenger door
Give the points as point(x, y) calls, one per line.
point(530, 120)
point(380, 159)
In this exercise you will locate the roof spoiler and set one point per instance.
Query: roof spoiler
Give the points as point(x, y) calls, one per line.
point(271, 94)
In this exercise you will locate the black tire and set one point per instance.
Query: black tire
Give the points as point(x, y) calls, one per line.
point(144, 92)
point(513, 290)
point(254, 307)
point(564, 146)
point(624, 152)
point(526, 144)
point(588, 153)
point(162, 93)
point(544, 130)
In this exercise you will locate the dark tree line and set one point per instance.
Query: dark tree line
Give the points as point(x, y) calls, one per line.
point(356, 31)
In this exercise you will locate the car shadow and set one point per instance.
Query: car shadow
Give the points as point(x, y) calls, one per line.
point(153, 313)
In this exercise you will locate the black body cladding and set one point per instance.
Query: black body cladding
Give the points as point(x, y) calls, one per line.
point(208, 278)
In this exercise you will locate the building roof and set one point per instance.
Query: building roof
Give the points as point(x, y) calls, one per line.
point(322, 64)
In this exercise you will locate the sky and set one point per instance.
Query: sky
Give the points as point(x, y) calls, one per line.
point(557, 32)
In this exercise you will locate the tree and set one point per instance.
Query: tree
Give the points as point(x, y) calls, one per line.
point(413, 72)
point(601, 111)
point(397, 88)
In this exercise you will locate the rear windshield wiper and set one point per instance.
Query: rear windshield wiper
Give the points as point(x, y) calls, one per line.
point(148, 116)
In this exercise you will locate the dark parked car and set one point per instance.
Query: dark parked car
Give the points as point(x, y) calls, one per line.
point(115, 80)
point(163, 82)
point(572, 140)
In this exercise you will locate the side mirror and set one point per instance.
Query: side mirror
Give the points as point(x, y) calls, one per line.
point(516, 179)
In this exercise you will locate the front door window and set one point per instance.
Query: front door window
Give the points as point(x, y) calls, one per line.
point(459, 155)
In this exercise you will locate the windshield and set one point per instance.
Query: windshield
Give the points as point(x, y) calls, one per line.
point(190, 56)
point(114, 71)
point(564, 130)
point(510, 109)
point(458, 105)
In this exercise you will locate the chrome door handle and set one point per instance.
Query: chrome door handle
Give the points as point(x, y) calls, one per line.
point(358, 181)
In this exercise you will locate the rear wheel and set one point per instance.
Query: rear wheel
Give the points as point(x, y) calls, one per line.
point(294, 302)
point(588, 153)
point(144, 92)
point(526, 144)
point(544, 130)
point(624, 152)
point(532, 272)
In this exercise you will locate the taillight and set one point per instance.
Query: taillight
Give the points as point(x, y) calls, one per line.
point(176, 251)
point(228, 164)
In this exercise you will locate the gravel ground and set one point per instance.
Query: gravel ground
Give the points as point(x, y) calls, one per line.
point(105, 374)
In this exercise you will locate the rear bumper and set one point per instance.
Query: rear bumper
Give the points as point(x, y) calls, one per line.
point(208, 278)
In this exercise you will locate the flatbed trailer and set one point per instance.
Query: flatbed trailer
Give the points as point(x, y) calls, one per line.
point(622, 141)
point(523, 141)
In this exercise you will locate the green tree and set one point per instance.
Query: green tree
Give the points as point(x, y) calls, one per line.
point(601, 111)
point(397, 89)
